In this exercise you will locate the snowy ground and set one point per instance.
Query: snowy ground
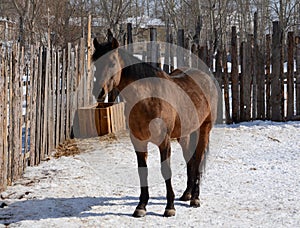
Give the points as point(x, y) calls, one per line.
point(252, 179)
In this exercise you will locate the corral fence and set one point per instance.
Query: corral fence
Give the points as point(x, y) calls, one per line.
point(260, 79)
point(41, 89)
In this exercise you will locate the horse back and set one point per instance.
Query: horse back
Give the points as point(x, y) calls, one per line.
point(200, 87)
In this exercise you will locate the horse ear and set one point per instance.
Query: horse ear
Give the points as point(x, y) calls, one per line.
point(96, 43)
point(114, 43)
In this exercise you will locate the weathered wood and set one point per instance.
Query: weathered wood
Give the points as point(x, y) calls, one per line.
point(16, 115)
point(63, 99)
point(129, 38)
point(235, 77)
point(276, 108)
point(268, 76)
point(89, 62)
point(246, 83)
point(166, 66)
point(180, 46)
point(2, 127)
point(290, 76)
point(33, 104)
point(225, 75)
point(153, 48)
point(68, 88)
point(58, 94)
point(297, 42)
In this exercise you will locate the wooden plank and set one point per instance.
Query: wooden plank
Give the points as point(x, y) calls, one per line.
point(21, 117)
point(245, 112)
point(290, 76)
point(180, 44)
point(2, 126)
point(276, 108)
point(297, 42)
point(33, 105)
point(268, 77)
point(4, 123)
point(16, 155)
point(129, 38)
point(45, 133)
point(58, 97)
point(225, 75)
point(235, 77)
point(50, 102)
point(255, 53)
point(90, 75)
point(68, 92)
point(166, 66)
point(10, 114)
point(63, 98)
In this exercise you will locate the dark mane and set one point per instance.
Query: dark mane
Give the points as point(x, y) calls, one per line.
point(137, 67)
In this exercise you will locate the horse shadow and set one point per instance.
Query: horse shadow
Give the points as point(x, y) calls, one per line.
point(80, 207)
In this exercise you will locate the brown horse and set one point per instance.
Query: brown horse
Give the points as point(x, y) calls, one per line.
point(159, 107)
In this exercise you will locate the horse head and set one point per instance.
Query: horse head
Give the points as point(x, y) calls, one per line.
point(108, 68)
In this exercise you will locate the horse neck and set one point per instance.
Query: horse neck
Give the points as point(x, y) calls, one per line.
point(134, 69)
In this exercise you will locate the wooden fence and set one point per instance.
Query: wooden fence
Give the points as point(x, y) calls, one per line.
point(39, 94)
point(264, 78)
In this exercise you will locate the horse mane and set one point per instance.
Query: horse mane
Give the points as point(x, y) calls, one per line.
point(133, 66)
point(138, 68)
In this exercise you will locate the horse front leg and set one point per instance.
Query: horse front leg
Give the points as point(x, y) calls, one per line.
point(140, 210)
point(165, 153)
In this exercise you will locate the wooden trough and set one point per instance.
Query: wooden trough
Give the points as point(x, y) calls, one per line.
point(99, 119)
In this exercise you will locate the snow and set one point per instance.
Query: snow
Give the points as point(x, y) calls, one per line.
point(252, 179)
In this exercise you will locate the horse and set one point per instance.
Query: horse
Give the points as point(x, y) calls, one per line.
point(158, 108)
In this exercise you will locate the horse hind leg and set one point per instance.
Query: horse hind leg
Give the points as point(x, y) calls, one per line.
point(188, 145)
point(199, 162)
point(165, 153)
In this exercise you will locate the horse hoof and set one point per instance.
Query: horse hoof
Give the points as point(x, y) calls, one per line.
point(195, 203)
point(138, 213)
point(169, 212)
point(185, 197)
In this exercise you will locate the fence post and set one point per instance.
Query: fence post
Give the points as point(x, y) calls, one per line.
point(166, 66)
point(180, 46)
point(129, 38)
point(297, 41)
point(2, 127)
point(235, 77)
point(226, 89)
point(268, 77)
point(153, 52)
point(33, 104)
point(276, 108)
point(246, 82)
point(290, 76)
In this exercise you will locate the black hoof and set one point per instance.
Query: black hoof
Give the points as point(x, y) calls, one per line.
point(195, 203)
point(169, 212)
point(138, 213)
point(185, 197)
